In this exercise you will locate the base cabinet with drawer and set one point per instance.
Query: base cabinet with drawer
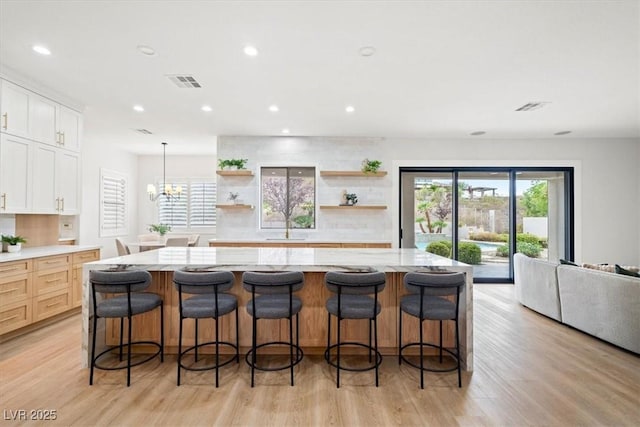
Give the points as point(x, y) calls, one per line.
point(36, 289)
point(16, 290)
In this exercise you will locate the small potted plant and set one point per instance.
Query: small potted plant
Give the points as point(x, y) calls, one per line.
point(161, 229)
point(232, 163)
point(233, 197)
point(14, 243)
point(371, 166)
point(352, 199)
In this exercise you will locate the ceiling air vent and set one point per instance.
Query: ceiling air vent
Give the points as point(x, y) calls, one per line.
point(144, 131)
point(530, 106)
point(184, 80)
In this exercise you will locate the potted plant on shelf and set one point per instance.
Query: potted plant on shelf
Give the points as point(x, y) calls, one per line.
point(232, 163)
point(14, 243)
point(371, 166)
point(233, 198)
point(161, 229)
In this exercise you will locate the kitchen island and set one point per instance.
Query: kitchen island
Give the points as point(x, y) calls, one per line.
point(314, 262)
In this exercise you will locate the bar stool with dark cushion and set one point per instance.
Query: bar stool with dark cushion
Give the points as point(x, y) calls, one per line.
point(272, 298)
point(353, 300)
point(131, 302)
point(426, 301)
point(210, 302)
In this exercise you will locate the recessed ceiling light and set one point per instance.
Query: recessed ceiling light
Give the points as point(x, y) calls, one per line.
point(138, 108)
point(146, 50)
point(349, 109)
point(273, 108)
point(41, 50)
point(478, 133)
point(367, 51)
point(285, 131)
point(563, 132)
point(250, 51)
point(206, 108)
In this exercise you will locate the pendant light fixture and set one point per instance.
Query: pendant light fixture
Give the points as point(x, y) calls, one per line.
point(167, 190)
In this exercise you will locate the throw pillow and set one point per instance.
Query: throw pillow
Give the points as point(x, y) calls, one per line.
point(621, 270)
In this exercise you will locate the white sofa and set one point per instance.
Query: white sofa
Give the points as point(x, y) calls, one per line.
point(605, 305)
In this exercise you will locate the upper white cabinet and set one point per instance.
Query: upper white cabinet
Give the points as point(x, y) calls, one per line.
point(14, 106)
point(69, 128)
point(42, 119)
point(30, 115)
point(15, 174)
point(56, 174)
point(39, 153)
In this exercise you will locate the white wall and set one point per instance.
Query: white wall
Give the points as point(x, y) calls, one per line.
point(324, 154)
point(607, 199)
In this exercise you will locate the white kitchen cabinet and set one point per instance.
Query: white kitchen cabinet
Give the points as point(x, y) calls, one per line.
point(69, 128)
point(15, 174)
point(55, 180)
point(14, 109)
point(42, 119)
point(68, 183)
point(45, 170)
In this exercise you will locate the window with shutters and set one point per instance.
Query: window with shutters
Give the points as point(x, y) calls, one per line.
point(195, 209)
point(113, 203)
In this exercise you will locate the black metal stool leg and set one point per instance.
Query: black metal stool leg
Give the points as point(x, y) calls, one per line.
point(129, 353)
point(440, 341)
point(291, 347)
point(370, 348)
point(93, 347)
point(253, 350)
point(421, 355)
point(375, 340)
point(237, 338)
point(179, 348)
point(162, 331)
point(338, 358)
point(217, 352)
point(400, 338)
point(195, 350)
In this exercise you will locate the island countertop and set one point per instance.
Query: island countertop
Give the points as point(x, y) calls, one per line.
point(314, 262)
point(283, 259)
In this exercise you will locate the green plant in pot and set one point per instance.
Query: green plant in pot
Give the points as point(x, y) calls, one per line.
point(232, 163)
point(161, 229)
point(14, 243)
point(371, 166)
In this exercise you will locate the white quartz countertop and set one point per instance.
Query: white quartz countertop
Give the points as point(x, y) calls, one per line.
point(40, 251)
point(281, 259)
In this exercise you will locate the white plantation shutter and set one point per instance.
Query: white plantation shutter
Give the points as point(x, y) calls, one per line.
point(202, 204)
point(113, 203)
point(196, 207)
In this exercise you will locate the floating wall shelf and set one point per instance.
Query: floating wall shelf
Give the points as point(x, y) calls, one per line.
point(239, 172)
point(234, 206)
point(353, 173)
point(353, 207)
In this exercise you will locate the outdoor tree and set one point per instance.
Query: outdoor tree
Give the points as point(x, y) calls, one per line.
point(434, 202)
point(278, 198)
point(536, 200)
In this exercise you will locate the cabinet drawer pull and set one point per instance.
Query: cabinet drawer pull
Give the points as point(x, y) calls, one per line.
point(51, 280)
point(6, 319)
point(4, 201)
point(4, 270)
point(5, 125)
point(6, 291)
point(53, 303)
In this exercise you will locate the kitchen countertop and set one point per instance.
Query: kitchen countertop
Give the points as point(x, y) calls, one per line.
point(271, 259)
point(40, 251)
point(295, 240)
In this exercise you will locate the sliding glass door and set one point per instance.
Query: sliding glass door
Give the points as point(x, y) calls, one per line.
point(482, 216)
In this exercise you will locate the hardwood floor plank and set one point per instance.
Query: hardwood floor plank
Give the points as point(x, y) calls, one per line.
point(530, 370)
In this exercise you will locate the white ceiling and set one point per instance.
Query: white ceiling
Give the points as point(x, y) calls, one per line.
point(441, 69)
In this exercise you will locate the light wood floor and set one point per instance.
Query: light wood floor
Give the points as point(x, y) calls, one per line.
point(529, 371)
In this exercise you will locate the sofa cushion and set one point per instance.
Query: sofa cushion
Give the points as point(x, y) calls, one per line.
point(536, 285)
point(626, 271)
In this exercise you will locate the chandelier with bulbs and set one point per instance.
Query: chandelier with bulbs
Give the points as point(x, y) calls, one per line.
point(167, 190)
